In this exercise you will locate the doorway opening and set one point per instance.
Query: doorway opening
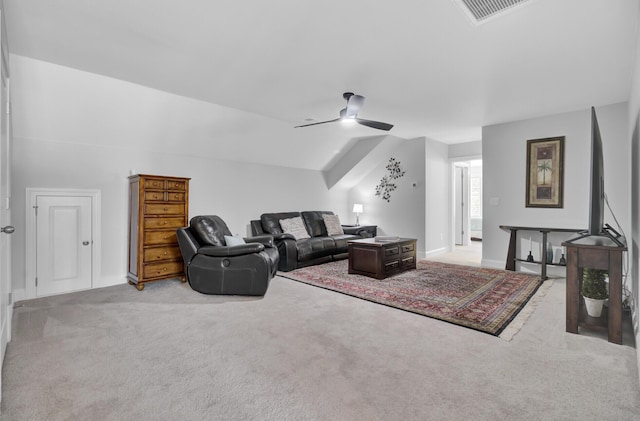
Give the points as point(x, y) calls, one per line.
point(467, 206)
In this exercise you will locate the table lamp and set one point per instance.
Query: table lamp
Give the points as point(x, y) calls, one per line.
point(357, 209)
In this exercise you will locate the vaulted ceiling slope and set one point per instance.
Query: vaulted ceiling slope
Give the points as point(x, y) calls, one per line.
point(420, 64)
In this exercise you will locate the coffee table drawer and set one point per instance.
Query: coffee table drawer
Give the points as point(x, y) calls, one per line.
point(408, 248)
point(391, 251)
point(408, 261)
point(391, 266)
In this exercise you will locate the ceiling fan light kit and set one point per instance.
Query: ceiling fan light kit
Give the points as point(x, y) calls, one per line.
point(481, 11)
point(350, 114)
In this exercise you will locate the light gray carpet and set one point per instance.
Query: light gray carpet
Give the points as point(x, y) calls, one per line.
point(300, 353)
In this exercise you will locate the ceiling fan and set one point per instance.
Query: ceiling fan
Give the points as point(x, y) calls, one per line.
point(350, 112)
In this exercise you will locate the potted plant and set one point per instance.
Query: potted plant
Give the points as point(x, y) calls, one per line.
point(594, 290)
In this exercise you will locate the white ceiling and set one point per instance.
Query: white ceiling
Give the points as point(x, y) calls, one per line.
point(421, 65)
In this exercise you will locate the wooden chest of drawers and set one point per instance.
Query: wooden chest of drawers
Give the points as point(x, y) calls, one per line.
point(158, 205)
point(381, 259)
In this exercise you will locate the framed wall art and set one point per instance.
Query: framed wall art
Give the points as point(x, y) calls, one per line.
point(545, 172)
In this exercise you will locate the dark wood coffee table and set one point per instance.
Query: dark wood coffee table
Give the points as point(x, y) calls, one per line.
point(380, 259)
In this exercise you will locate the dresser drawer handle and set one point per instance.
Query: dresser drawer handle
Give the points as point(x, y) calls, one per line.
point(177, 196)
point(165, 253)
point(165, 222)
point(165, 209)
point(155, 196)
point(391, 265)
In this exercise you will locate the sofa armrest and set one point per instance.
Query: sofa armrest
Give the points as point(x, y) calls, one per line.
point(256, 227)
point(188, 244)
point(288, 251)
point(350, 229)
point(230, 251)
point(265, 240)
point(364, 231)
point(284, 236)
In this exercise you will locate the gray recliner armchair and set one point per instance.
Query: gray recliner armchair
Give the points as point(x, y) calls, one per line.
point(213, 267)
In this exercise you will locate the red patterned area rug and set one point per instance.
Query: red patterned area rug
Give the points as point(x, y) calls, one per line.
point(483, 299)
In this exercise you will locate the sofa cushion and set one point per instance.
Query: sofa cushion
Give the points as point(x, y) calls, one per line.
point(313, 248)
point(295, 227)
point(233, 240)
point(332, 223)
point(315, 223)
point(271, 221)
point(210, 229)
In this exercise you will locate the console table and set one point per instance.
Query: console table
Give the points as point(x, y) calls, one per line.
point(511, 253)
point(595, 252)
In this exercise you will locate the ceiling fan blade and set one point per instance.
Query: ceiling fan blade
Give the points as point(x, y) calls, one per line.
point(374, 124)
point(319, 122)
point(354, 104)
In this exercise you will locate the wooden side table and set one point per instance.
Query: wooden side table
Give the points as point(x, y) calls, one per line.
point(595, 252)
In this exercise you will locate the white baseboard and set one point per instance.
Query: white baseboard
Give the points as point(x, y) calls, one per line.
point(535, 269)
point(18, 295)
point(496, 264)
point(436, 252)
point(21, 293)
point(524, 267)
point(110, 281)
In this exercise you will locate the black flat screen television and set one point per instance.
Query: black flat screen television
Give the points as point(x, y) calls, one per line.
point(598, 232)
point(597, 202)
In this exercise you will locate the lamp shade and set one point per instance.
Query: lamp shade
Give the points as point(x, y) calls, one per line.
point(357, 208)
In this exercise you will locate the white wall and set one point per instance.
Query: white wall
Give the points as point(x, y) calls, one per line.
point(504, 174)
point(464, 150)
point(420, 212)
point(438, 211)
point(80, 140)
point(404, 214)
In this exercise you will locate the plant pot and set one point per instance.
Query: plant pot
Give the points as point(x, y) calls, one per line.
point(594, 307)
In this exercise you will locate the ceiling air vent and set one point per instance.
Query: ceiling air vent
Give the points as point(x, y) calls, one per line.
point(479, 11)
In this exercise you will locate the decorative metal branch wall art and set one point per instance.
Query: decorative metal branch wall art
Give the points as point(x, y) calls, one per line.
point(387, 185)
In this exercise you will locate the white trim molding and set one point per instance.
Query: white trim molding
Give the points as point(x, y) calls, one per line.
point(436, 252)
point(496, 264)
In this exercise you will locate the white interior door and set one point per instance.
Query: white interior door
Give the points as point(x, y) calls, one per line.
point(461, 205)
point(6, 307)
point(5, 202)
point(63, 244)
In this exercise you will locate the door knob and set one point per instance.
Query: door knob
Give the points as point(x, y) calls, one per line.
point(85, 243)
point(8, 229)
